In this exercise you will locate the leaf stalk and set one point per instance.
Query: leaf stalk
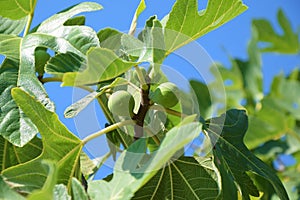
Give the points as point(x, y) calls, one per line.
point(107, 129)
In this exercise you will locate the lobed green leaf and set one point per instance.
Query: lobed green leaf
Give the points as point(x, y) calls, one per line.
point(197, 177)
point(287, 43)
point(185, 24)
point(12, 27)
point(7, 193)
point(16, 9)
point(102, 65)
point(11, 155)
point(59, 145)
point(230, 150)
point(134, 168)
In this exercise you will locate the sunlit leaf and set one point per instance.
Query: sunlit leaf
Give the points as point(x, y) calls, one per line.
point(12, 27)
point(75, 108)
point(78, 106)
point(81, 37)
point(269, 122)
point(185, 24)
point(56, 21)
point(284, 95)
point(61, 193)
point(9, 46)
point(102, 65)
point(233, 82)
point(59, 145)
point(14, 126)
point(16, 9)
point(243, 80)
point(153, 37)
point(285, 43)
point(110, 39)
point(78, 192)
point(278, 113)
point(141, 7)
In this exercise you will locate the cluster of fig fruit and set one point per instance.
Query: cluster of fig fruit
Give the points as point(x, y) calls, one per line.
point(122, 103)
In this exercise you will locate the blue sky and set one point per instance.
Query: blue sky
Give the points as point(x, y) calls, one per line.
point(230, 39)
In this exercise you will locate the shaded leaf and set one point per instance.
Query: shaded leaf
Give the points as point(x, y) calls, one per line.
point(185, 178)
point(77, 20)
point(16, 9)
point(203, 98)
point(41, 58)
point(59, 145)
point(185, 24)
point(230, 150)
point(47, 191)
point(12, 27)
point(134, 168)
point(286, 43)
point(102, 64)
point(62, 63)
point(11, 155)
point(228, 187)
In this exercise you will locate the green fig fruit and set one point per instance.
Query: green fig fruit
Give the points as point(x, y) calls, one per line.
point(165, 94)
point(121, 103)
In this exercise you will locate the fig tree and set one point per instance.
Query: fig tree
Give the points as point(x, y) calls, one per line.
point(121, 103)
point(165, 94)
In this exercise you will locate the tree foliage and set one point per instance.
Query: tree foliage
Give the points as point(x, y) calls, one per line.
point(41, 159)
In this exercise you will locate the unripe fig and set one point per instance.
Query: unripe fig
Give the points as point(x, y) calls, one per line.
point(121, 103)
point(165, 94)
